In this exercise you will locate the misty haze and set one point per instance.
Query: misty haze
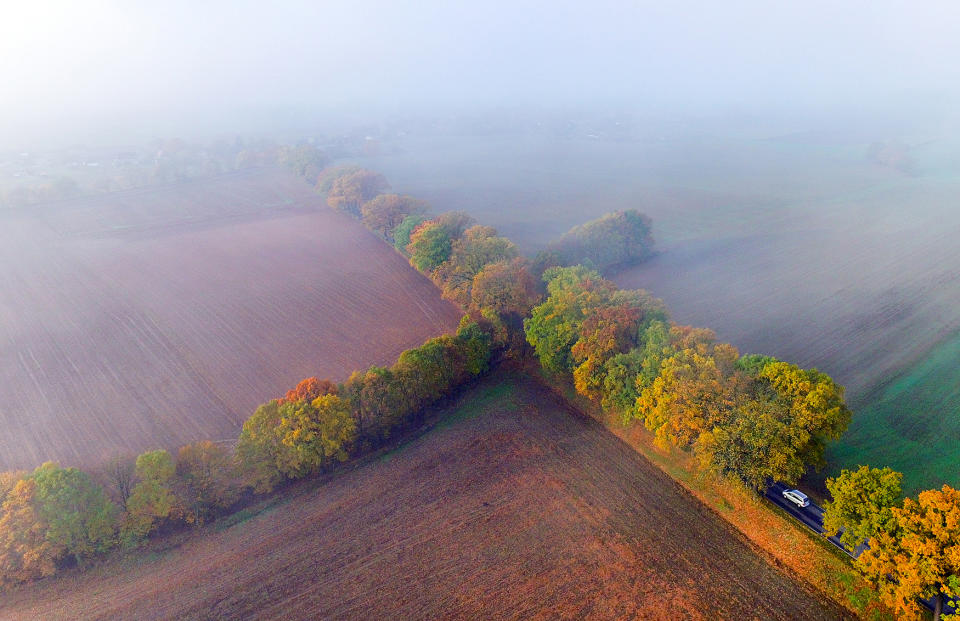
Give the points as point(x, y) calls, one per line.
point(371, 310)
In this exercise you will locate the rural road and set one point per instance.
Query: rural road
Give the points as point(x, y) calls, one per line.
point(812, 517)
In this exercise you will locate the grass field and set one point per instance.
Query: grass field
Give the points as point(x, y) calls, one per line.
point(512, 507)
point(792, 245)
point(153, 318)
point(912, 424)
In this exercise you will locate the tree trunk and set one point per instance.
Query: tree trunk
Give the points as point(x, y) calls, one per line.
point(937, 606)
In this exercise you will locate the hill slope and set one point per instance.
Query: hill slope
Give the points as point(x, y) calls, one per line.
point(513, 507)
point(156, 317)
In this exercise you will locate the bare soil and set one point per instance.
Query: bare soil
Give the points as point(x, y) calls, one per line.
point(513, 506)
point(153, 318)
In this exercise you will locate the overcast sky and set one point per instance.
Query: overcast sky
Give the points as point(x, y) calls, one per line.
point(69, 67)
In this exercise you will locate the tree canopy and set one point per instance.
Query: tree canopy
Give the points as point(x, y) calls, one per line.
point(614, 239)
point(861, 504)
point(918, 554)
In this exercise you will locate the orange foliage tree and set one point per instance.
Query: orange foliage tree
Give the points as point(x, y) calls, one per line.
point(308, 390)
point(919, 557)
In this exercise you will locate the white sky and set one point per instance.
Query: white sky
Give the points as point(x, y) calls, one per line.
point(67, 66)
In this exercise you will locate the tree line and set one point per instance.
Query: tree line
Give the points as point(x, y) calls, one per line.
point(55, 517)
point(749, 417)
point(753, 417)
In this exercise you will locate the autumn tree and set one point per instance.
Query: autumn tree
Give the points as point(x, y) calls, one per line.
point(328, 175)
point(861, 504)
point(817, 411)
point(754, 446)
point(350, 191)
point(478, 247)
point(505, 287)
point(455, 223)
point(384, 213)
point(313, 435)
point(152, 500)
point(25, 552)
point(309, 389)
point(258, 447)
point(694, 390)
point(779, 426)
point(918, 555)
point(554, 325)
point(205, 473)
point(606, 330)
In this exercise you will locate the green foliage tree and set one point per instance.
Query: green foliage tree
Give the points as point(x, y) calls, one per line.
point(861, 504)
point(753, 446)
point(554, 325)
point(81, 520)
point(258, 447)
point(614, 239)
point(474, 345)
point(375, 404)
point(430, 245)
point(152, 500)
point(401, 234)
point(205, 472)
point(303, 160)
point(620, 392)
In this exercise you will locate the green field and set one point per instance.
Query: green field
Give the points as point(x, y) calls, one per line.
point(912, 424)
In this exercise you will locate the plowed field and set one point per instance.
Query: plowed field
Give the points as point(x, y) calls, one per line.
point(154, 318)
point(514, 507)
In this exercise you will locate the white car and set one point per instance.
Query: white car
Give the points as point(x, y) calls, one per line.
point(796, 497)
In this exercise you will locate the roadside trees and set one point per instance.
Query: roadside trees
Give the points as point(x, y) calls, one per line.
point(919, 554)
point(862, 503)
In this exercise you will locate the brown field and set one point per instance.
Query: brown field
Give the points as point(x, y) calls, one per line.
point(158, 317)
point(513, 507)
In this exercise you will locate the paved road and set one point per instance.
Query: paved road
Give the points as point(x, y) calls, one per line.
point(812, 517)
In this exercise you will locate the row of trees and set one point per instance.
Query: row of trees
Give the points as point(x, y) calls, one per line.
point(57, 516)
point(753, 417)
point(54, 517)
point(913, 546)
point(472, 265)
point(320, 423)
